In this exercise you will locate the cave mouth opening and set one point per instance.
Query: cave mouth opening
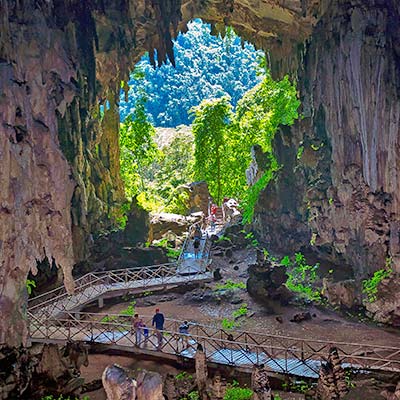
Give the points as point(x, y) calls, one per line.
point(211, 117)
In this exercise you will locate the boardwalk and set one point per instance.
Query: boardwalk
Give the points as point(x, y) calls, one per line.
point(236, 348)
point(55, 317)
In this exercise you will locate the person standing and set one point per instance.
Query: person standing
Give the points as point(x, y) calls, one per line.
point(184, 331)
point(158, 323)
point(137, 327)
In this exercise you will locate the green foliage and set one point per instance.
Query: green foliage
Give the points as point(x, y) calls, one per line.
point(252, 195)
point(171, 252)
point(183, 375)
point(228, 324)
point(301, 277)
point(128, 312)
point(241, 312)
point(223, 238)
point(231, 323)
point(370, 286)
point(30, 285)
point(192, 396)
point(230, 285)
point(300, 152)
point(235, 392)
point(210, 129)
point(121, 216)
point(206, 66)
point(137, 148)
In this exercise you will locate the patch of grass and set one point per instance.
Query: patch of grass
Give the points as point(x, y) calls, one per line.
point(228, 324)
point(230, 285)
point(235, 392)
point(231, 323)
point(129, 312)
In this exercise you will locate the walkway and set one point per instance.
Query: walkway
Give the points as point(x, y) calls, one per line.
point(55, 317)
point(295, 356)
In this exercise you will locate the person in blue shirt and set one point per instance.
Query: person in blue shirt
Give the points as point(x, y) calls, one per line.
point(158, 323)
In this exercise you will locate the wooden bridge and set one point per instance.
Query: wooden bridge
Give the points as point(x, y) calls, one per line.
point(55, 317)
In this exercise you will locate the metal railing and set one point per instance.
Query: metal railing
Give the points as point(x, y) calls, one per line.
point(282, 354)
point(93, 285)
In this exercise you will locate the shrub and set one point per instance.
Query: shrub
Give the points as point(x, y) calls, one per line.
point(235, 392)
point(370, 286)
point(230, 285)
point(301, 277)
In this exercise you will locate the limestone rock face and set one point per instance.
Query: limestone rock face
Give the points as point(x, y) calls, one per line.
point(42, 370)
point(117, 384)
point(342, 189)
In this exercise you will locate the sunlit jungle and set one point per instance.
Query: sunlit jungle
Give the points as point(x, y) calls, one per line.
point(199, 199)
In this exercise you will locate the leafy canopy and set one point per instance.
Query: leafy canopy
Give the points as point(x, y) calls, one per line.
point(224, 139)
point(206, 66)
point(137, 147)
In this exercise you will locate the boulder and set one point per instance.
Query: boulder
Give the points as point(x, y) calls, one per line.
point(138, 225)
point(300, 317)
point(344, 294)
point(266, 282)
point(386, 309)
point(199, 197)
point(117, 384)
point(162, 224)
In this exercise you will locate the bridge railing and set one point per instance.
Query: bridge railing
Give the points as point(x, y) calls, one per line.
point(280, 353)
point(94, 284)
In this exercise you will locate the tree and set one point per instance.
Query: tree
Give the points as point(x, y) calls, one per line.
point(210, 128)
point(138, 149)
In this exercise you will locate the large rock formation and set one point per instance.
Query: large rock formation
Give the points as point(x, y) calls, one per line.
point(342, 188)
point(61, 67)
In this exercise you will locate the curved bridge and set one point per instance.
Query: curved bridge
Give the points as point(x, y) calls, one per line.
point(55, 317)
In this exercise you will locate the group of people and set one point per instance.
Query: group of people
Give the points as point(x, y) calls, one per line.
point(140, 329)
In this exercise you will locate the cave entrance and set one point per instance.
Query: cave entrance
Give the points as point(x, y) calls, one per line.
point(210, 117)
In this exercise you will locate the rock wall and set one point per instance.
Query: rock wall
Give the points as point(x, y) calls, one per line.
point(340, 193)
point(59, 63)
